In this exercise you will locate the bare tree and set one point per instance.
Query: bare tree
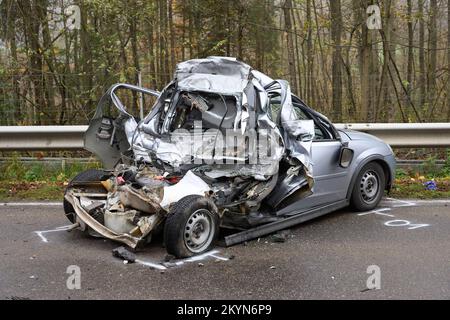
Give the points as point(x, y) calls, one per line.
point(290, 44)
point(336, 31)
point(448, 60)
point(432, 54)
point(421, 83)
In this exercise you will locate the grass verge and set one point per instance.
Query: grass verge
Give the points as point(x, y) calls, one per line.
point(21, 181)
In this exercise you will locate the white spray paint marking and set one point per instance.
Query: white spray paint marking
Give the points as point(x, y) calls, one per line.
point(219, 257)
point(200, 257)
point(40, 233)
point(377, 211)
point(151, 264)
point(405, 223)
point(403, 203)
point(443, 201)
point(396, 222)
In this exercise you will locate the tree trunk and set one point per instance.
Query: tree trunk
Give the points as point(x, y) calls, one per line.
point(326, 78)
point(383, 105)
point(421, 83)
point(433, 54)
point(172, 36)
point(86, 58)
point(365, 53)
point(162, 43)
point(32, 30)
point(448, 61)
point(151, 52)
point(309, 56)
point(291, 70)
point(49, 56)
point(336, 30)
point(135, 55)
point(409, 72)
point(11, 38)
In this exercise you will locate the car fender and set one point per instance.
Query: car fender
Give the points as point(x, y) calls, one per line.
point(374, 157)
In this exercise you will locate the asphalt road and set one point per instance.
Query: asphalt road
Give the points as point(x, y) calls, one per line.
point(326, 258)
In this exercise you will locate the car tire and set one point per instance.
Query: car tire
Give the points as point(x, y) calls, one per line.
point(368, 188)
point(191, 227)
point(87, 176)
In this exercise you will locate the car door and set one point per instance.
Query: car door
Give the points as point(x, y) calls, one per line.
point(329, 177)
point(108, 133)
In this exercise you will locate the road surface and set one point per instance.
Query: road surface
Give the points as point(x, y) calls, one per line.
point(405, 245)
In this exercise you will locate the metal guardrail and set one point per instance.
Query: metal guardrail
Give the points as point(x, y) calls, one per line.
point(405, 135)
point(14, 138)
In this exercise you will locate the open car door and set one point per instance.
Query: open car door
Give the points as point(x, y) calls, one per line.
point(111, 129)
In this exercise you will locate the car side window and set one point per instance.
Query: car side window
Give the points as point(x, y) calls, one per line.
point(319, 134)
point(275, 106)
point(300, 113)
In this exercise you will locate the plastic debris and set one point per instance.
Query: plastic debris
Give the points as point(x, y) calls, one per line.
point(430, 185)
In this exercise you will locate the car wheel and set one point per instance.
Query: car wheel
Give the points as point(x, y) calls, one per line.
point(85, 176)
point(369, 187)
point(191, 227)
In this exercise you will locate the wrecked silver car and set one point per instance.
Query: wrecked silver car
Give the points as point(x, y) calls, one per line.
point(222, 146)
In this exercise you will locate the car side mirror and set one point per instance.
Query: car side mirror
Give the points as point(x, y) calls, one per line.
point(345, 157)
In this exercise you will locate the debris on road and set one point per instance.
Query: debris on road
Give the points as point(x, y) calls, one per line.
point(169, 258)
point(124, 254)
point(281, 236)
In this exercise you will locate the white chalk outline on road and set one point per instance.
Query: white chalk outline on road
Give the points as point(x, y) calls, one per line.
point(200, 257)
point(40, 233)
point(150, 264)
point(147, 263)
point(404, 203)
point(377, 211)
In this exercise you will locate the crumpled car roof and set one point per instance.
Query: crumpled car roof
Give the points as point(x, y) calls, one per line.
point(213, 74)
